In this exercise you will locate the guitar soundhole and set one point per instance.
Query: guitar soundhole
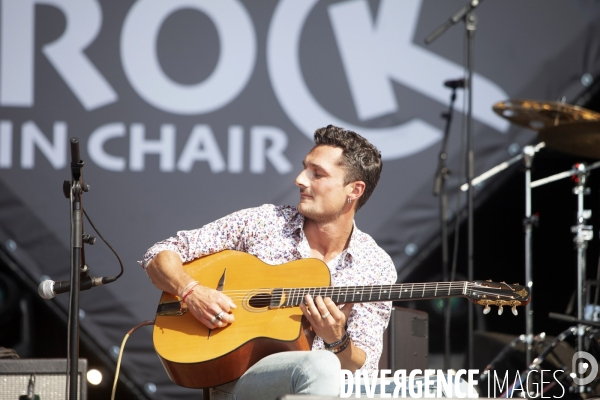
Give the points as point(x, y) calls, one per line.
point(260, 300)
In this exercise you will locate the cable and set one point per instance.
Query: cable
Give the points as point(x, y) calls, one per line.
point(105, 242)
point(135, 328)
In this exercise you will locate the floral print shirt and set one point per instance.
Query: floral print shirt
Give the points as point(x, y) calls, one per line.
point(275, 235)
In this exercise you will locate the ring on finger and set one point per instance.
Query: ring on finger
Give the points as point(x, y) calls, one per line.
point(327, 314)
point(219, 316)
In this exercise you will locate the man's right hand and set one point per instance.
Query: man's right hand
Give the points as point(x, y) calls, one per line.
point(205, 304)
point(167, 273)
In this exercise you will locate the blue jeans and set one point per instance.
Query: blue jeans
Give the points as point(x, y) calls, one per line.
point(293, 372)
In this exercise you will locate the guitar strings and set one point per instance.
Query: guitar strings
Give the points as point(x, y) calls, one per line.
point(294, 296)
point(362, 290)
point(394, 287)
point(348, 291)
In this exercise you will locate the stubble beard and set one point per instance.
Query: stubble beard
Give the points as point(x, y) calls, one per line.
point(315, 216)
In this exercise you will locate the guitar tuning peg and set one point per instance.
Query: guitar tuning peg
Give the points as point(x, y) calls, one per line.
point(500, 310)
point(487, 309)
point(514, 310)
point(489, 280)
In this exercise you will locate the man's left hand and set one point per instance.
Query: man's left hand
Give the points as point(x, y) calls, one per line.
point(326, 318)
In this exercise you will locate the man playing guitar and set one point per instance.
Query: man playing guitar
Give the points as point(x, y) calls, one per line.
point(339, 174)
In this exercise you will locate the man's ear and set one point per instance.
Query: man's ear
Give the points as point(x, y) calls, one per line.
point(358, 188)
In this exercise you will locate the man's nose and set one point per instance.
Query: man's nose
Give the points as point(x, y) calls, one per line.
point(301, 179)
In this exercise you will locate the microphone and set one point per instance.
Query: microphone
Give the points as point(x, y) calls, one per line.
point(48, 288)
point(455, 84)
point(75, 157)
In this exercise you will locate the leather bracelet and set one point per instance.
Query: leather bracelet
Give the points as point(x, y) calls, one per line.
point(335, 344)
point(342, 346)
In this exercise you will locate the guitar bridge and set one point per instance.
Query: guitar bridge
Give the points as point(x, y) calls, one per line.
point(171, 308)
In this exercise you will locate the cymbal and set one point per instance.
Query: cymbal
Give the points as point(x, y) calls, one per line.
point(537, 115)
point(581, 138)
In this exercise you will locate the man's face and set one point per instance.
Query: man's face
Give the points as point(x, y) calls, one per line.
point(323, 194)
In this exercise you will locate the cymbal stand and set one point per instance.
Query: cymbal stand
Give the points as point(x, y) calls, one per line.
point(583, 234)
point(527, 156)
point(528, 222)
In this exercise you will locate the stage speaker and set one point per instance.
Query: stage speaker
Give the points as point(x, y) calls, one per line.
point(50, 378)
point(406, 340)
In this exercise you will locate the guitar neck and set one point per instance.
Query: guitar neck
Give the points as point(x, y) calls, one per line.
point(364, 294)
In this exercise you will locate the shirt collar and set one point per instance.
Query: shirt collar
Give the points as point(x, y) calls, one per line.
point(296, 222)
point(353, 244)
point(296, 225)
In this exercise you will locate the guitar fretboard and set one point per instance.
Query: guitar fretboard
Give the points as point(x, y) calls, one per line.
point(365, 294)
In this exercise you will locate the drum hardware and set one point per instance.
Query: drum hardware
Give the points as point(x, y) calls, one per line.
point(555, 122)
point(522, 379)
point(583, 234)
point(538, 339)
point(573, 130)
point(527, 155)
point(535, 365)
point(570, 318)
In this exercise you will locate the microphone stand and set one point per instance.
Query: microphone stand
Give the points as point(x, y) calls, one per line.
point(74, 190)
point(467, 15)
point(439, 189)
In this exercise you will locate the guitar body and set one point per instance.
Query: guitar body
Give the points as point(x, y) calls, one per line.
point(197, 357)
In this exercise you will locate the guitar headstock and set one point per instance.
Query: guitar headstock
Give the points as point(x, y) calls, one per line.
point(488, 293)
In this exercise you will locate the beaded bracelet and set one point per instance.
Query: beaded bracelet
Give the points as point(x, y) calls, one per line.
point(335, 344)
point(187, 287)
point(342, 346)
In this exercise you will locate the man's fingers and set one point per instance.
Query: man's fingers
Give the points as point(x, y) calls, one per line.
point(309, 302)
point(226, 302)
point(220, 314)
point(320, 309)
point(211, 325)
point(307, 314)
point(225, 318)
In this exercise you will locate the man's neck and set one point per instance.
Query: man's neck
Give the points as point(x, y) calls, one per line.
point(327, 240)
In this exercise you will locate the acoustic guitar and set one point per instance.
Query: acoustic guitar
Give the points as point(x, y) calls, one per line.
point(268, 319)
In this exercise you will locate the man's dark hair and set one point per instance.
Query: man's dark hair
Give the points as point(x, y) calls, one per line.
point(360, 158)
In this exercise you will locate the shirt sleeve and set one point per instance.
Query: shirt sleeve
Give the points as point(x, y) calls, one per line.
point(366, 325)
point(368, 321)
point(227, 233)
